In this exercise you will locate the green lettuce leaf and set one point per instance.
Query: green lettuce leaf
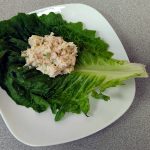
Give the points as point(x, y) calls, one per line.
point(95, 69)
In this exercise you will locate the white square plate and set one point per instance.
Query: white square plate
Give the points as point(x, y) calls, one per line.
point(37, 129)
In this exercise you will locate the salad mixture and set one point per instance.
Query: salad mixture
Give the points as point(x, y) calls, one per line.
point(50, 54)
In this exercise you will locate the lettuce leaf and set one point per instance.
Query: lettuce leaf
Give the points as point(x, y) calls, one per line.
point(95, 67)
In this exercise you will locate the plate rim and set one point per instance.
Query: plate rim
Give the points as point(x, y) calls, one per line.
point(84, 136)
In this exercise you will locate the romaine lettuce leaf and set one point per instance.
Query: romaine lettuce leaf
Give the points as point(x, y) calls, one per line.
point(95, 67)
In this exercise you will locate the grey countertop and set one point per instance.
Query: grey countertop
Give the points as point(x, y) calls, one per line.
point(131, 21)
